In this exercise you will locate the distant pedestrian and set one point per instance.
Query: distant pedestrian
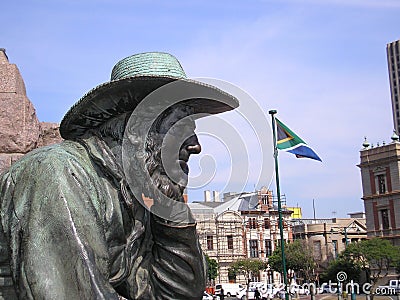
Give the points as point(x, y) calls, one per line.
point(222, 294)
point(257, 294)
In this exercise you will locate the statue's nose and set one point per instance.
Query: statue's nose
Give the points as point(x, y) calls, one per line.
point(192, 145)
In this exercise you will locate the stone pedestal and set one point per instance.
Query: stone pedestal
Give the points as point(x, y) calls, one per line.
point(19, 126)
point(20, 129)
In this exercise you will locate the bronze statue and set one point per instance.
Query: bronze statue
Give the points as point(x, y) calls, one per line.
point(73, 214)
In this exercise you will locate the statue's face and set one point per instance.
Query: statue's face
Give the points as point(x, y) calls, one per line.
point(179, 140)
point(169, 147)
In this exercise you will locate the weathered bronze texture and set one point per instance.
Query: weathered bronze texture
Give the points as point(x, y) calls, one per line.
point(73, 214)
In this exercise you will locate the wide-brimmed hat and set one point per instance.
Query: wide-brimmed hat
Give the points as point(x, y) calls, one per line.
point(132, 80)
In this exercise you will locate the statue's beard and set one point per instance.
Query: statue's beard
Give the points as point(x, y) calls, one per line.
point(159, 179)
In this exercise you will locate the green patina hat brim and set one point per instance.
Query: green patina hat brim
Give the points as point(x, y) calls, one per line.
point(114, 98)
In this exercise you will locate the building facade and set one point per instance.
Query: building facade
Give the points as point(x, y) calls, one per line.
point(245, 226)
point(380, 175)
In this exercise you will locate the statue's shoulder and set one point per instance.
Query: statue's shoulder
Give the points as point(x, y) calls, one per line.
point(62, 154)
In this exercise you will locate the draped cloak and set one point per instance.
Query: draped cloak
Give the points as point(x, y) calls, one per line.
point(71, 234)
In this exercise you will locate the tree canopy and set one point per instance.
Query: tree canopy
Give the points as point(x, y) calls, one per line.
point(248, 267)
point(341, 264)
point(375, 256)
point(299, 258)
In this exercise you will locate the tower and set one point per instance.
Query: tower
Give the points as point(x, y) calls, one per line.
point(380, 169)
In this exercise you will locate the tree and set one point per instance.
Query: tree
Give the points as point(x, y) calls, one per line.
point(375, 256)
point(232, 274)
point(247, 267)
point(212, 268)
point(352, 269)
point(299, 258)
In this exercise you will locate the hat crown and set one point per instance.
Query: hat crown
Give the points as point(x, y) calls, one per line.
point(157, 64)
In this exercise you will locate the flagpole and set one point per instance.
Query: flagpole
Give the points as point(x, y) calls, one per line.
point(272, 113)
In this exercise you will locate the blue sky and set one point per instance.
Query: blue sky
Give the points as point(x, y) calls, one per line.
point(321, 64)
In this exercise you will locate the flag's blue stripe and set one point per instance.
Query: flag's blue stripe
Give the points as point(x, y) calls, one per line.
point(305, 151)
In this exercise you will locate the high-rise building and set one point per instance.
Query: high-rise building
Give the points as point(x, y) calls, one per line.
point(393, 58)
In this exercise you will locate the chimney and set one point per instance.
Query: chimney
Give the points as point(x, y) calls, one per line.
point(207, 196)
point(216, 196)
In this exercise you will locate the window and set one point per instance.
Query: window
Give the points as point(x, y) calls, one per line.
point(230, 241)
point(253, 248)
point(385, 219)
point(317, 250)
point(252, 223)
point(265, 199)
point(210, 243)
point(335, 248)
point(266, 223)
point(381, 183)
point(278, 243)
point(268, 248)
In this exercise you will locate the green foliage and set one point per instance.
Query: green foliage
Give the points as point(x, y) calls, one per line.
point(298, 258)
point(375, 256)
point(247, 266)
point(352, 269)
point(231, 274)
point(212, 268)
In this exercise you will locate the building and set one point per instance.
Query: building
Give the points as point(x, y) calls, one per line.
point(393, 58)
point(296, 212)
point(244, 226)
point(380, 176)
point(328, 237)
